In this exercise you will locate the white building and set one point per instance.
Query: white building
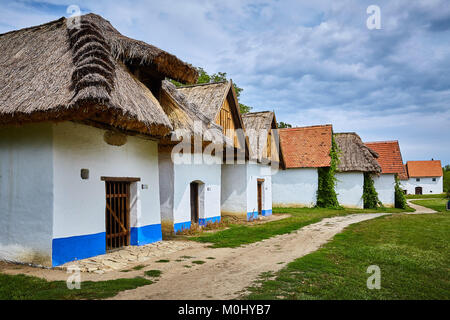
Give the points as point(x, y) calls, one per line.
point(190, 185)
point(245, 182)
point(304, 150)
point(78, 155)
point(355, 160)
point(424, 177)
point(391, 162)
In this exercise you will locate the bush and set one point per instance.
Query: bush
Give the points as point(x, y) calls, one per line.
point(326, 195)
point(400, 198)
point(370, 195)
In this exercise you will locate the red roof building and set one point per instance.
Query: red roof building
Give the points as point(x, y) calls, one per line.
point(306, 147)
point(422, 169)
point(389, 157)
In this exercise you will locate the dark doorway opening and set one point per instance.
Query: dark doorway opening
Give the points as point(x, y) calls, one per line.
point(194, 202)
point(260, 188)
point(117, 212)
point(418, 190)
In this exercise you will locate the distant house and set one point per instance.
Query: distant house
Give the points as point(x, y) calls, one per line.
point(355, 159)
point(390, 160)
point(190, 187)
point(424, 177)
point(79, 121)
point(304, 150)
point(265, 154)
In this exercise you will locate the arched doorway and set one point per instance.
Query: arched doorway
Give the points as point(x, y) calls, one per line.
point(418, 190)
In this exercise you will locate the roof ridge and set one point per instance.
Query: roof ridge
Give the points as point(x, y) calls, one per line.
point(307, 127)
point(202, 84)
point(387, 141)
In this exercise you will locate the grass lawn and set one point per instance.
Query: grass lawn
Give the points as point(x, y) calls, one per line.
point(238, 235)
point(412, 252)
point(435, 204)
point(426, 196)
point(23, 287)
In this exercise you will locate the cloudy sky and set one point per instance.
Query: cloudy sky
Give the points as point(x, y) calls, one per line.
point(313, 62)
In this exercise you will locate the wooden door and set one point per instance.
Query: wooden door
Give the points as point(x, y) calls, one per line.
point(260, 185)
point(194, 202)
point(117, 214)
point(418, 190)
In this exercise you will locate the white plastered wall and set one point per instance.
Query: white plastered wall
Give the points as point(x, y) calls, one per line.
point(79, 205)
point(385, 187)
point(257, 171)
point(26, 193)
point(428, 185)
point(296, 187)
point(178, 177)
point(349, 189)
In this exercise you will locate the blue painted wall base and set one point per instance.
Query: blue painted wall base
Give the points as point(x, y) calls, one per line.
point(266, 213)
point(77, 247)
point(140, 236)
point(252, 215)
point(205, 221)
point(86, 246)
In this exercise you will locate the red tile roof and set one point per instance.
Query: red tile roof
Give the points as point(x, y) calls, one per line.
point(431, 168)
point(306, 147)
point(389, 157)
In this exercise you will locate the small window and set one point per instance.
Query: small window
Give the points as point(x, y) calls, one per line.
point(417, 179)
point(434, 179)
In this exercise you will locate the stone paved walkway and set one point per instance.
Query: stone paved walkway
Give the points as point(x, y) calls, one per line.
point(128, 256)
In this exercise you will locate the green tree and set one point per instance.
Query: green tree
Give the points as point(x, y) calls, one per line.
point(282, 124)
point(204, 77)
point(446, 180)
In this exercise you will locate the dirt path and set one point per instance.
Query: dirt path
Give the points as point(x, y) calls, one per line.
point(419, 209)
point(233, 270)
point(226, 272)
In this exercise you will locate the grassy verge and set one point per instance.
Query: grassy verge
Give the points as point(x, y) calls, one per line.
point(23, 287)
point(412, 252)
point(238, 235)
point(435, 204)
point(426, 196)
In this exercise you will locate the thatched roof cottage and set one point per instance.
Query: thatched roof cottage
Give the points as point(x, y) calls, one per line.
point(265, 153)
point(240, 183)
point(80, 116)
point(190, 187)
point(391, 162)
point(305, 149)
point(355, 159)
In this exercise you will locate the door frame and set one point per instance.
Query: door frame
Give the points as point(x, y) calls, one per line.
point(124, 207)
point(194, 188)
point(259, 195)
point(418, 188)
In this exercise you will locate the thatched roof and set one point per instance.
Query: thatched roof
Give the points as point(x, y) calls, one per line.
point(209, 97)
point(53, 72)
point(354, 155)
point(184, 115)
point(257, 126)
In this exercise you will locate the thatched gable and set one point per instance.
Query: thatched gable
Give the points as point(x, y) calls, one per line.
point(209, 97)
point(184, 114)
point(354, 155)
point(260, 125)
point(54, 73)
